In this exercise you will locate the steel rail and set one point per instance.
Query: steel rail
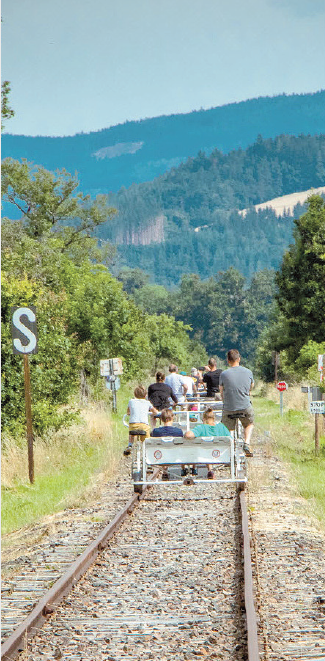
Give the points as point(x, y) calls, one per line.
point(29, 627)
point(251, 621)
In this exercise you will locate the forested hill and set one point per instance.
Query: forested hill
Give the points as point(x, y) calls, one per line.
point(188, 220)
point(138, 151)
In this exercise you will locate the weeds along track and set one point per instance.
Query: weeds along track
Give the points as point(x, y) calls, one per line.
point(169, 585)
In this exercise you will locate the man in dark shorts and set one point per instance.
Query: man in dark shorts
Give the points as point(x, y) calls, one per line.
point(235, 385)
point(211, 378)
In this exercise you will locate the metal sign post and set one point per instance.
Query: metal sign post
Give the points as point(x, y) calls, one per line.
point(281, 386)
point(113, 384)
point(111, 368)
point(24, 338)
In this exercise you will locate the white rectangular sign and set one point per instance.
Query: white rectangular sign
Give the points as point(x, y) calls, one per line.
point(317, 407)
point(104, 367)
point(117, 366)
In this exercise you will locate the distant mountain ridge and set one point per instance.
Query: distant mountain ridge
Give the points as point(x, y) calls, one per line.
point(139, 151)
point(201, 227)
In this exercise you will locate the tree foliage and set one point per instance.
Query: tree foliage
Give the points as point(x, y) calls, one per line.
point(6, 111)
point(301, 281)
point(48, 202)
point(297, 327)
point(223, 311)
point(83, 314)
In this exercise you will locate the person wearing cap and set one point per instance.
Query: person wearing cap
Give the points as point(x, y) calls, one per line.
point(191, 390)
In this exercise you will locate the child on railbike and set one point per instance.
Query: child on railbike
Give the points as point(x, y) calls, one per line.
point(138, 410)
point(208, 428)
point(166, 429)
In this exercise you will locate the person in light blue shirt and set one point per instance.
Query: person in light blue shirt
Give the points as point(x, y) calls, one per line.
point(177, 383)
point(208, 428)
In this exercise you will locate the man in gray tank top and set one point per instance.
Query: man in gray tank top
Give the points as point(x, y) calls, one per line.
point(235, 386)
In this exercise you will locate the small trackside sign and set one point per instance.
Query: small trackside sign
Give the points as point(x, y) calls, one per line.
point(24, 329)
point(104, 367)
point(282, 385)
point(317, 407)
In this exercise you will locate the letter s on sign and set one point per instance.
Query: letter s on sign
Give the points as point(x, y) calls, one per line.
point(22, 332)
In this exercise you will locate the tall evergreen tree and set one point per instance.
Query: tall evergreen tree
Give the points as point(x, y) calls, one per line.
point(301, 281)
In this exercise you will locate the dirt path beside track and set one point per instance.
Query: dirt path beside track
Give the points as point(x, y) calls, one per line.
point(289, 546)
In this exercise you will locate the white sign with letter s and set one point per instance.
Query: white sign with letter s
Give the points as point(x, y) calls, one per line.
point(24, 330)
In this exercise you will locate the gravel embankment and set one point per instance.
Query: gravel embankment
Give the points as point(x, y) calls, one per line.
point(166, 588)
point(289, 545)
point(34, 558)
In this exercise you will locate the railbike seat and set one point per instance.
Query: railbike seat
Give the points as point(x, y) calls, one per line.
point(137, 432)
point(235, 416)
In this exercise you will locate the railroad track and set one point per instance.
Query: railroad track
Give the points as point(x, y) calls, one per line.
point(169, 585)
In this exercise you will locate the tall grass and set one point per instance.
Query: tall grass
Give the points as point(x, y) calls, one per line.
point(69, 465)
point(292, 438)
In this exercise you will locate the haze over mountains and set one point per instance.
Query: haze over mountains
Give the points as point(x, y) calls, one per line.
point(135, 152)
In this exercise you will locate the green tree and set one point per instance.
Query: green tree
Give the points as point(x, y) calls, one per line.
point(48, 203)
point(132, 279)
point(301, 281)
point(154, 299)
point(54, 369)
point(6, 111)
point(259, 306)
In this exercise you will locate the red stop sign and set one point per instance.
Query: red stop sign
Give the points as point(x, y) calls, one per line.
point(282, 385)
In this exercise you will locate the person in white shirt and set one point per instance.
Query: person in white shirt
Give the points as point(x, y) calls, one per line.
point(177, 383)
point(138, 410)
point(191, 388)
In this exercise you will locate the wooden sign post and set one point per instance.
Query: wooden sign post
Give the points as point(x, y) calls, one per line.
point(317, 407)
point(24, 338)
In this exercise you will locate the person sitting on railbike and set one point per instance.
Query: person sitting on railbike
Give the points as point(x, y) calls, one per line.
point(160, 394)
point(166, 429)
point(138, 410)
point(208, 428)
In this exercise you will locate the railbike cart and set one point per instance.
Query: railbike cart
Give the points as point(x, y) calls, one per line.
point(174, 452)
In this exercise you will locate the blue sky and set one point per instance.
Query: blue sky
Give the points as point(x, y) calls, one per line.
point(84, 65)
